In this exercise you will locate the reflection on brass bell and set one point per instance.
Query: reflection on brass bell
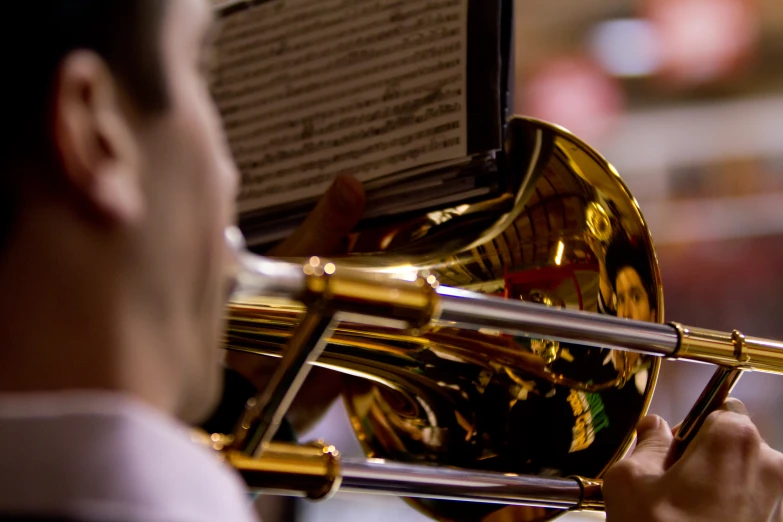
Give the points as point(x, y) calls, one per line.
point(544, 298)
point(598, 223)
point(547, 349)
point(551, 350)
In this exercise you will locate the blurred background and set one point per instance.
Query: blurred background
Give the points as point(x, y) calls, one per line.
point(685, 98)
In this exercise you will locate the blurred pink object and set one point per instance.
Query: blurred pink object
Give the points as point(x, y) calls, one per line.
point(575, 93)
point(703, 40)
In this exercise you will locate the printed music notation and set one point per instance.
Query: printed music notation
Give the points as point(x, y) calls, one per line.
point(311, 88)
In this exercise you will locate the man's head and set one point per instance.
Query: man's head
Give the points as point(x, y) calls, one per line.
point(631, 278)
point(113, 155)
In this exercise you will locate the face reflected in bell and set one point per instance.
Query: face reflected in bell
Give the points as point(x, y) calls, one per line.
point(633, 302)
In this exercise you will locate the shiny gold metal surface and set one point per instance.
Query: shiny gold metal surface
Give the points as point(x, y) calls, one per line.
point(567, 233)
point(592, 494)
point(310, 470)
point(733, 350)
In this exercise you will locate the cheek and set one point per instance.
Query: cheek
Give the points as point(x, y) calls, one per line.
point(214, 175)
point(206, 186)
point(213, 171)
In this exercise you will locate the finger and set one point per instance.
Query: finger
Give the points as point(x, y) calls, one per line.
point(735, 406)
point(337, 212)
point(654, 439)
point(626, 479)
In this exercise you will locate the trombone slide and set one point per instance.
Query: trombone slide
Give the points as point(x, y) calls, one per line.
point(316, 471)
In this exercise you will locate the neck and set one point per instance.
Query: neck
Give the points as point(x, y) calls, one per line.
point(66, 321)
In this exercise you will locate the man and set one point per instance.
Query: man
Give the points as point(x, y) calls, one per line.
point(117, 186)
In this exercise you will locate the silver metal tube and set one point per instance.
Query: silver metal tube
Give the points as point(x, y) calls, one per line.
point(253, 275)
point(471, 310)
point(421, 481)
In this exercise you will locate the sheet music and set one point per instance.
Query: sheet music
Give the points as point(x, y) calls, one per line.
point(311, 88)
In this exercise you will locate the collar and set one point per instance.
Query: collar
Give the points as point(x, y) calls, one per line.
point(110, 458)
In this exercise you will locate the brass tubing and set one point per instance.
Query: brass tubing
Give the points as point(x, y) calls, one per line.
point(763, 355)
point(714, 395)
point(378, 300)
point(310, 471)
point(264, 413)
point(733, 350)
point(411, 304)
point(383, 301)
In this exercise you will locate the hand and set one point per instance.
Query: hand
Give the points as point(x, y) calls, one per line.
point(328, 225)
point(728, 473)
point(322, 234)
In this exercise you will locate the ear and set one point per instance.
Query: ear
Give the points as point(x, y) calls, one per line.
point(94, 139)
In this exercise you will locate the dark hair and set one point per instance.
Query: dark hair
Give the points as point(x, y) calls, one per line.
point(621, 254)
point(35, 37)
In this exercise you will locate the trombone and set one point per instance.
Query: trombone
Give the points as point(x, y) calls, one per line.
point(499, 353)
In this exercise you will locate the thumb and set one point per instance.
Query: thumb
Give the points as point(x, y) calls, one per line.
point(336, 213)
point(654, 439)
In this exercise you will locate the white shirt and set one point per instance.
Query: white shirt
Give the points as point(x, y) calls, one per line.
point(109, 458)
